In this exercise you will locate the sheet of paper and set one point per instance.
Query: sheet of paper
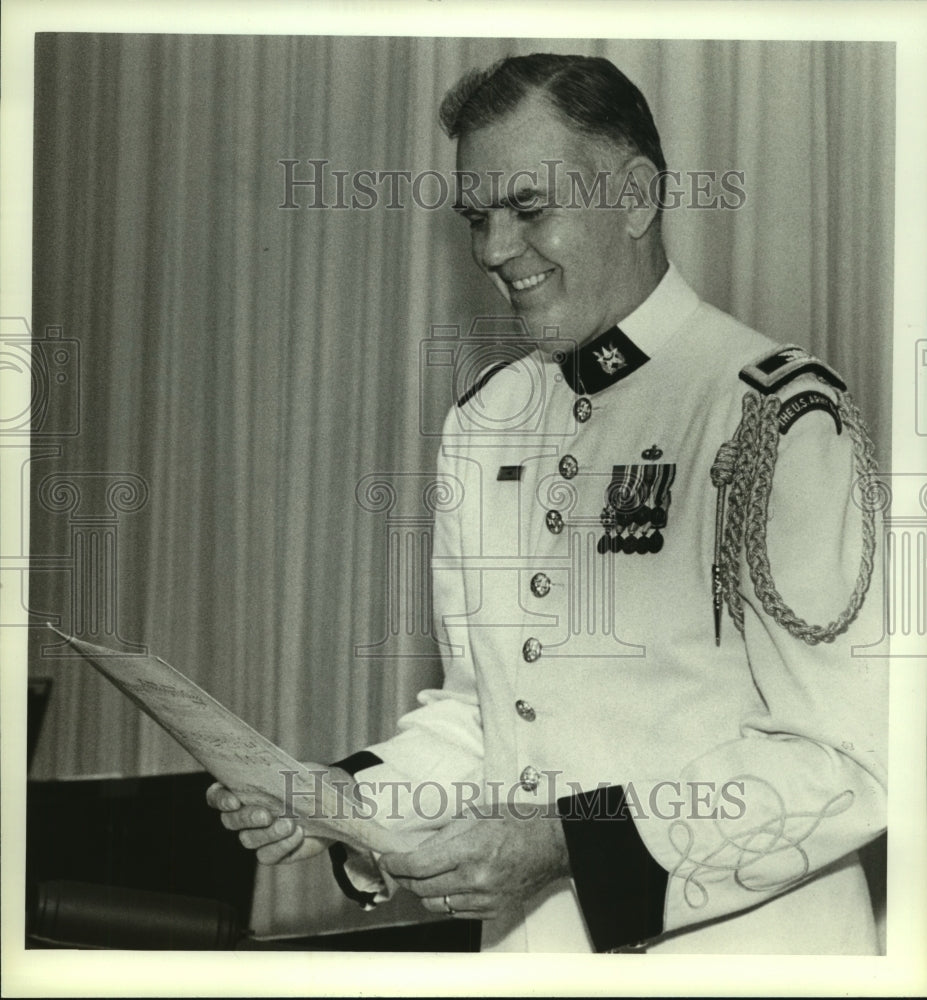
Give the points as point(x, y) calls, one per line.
point(258, 771)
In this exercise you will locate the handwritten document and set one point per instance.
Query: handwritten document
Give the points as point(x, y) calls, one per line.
point(258, 771)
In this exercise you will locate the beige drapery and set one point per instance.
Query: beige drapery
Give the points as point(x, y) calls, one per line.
point(260, 370)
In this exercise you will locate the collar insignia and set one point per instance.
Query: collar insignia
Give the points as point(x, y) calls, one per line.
point(601, 362)
point(610, 359)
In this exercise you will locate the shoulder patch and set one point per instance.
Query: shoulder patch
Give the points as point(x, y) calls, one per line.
point(771, 371)
point(805, 402)
point(480, 382)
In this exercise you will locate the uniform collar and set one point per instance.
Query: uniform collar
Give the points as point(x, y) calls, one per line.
point(620, 351)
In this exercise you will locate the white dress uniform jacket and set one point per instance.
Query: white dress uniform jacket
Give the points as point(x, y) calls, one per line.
point(713, 796)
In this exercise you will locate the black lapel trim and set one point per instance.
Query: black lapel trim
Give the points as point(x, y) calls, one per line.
point(602, 362)
point(480, 382)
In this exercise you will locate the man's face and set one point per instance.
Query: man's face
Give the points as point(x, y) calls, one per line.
point(565, 266)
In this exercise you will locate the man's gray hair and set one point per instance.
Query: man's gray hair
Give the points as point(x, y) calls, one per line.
point(591, 95)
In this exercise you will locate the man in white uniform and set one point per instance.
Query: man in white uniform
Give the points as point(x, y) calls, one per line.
point(640, 773)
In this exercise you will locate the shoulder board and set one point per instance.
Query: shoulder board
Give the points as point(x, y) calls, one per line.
point(480, 382)
point(777, 368)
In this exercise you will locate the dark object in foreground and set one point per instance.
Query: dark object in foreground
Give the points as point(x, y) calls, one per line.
point(84, 915)
point(145, 865)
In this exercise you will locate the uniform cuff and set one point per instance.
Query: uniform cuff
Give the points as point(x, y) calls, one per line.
point(337, 852)
point(621, 889)
point(357, 762)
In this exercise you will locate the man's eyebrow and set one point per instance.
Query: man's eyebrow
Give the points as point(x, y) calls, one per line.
point(528, 195)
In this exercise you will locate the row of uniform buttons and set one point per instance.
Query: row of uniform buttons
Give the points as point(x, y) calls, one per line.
point(568, 467)
point(529, 777)
point(531, 651)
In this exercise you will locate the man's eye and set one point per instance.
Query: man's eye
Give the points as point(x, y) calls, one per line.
point(529, 213)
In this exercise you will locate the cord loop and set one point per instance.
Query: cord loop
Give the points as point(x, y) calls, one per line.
point(744, 468)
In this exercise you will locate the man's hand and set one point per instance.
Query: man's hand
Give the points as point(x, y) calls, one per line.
point(274, 841)
point(478, 866)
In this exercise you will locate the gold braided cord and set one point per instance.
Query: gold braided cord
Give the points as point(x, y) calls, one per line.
point(745, 466)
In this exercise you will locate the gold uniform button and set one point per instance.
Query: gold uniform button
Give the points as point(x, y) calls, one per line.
point(568, 466)
point(531, 650)
point(554, 521)
point(582, 409)
point(525, 710)
point(540, 585)
point(530, 779)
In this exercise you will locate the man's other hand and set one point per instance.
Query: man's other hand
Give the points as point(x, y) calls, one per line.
point(475, 867)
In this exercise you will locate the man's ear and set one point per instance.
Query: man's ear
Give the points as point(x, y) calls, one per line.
point(639, 196)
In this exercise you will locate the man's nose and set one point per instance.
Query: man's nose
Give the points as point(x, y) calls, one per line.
point(503, 239)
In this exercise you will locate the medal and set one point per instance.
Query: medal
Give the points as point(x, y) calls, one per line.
point(637, 506)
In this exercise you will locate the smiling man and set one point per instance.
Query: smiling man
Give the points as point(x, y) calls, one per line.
point(557, 264)
point(609, 765)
